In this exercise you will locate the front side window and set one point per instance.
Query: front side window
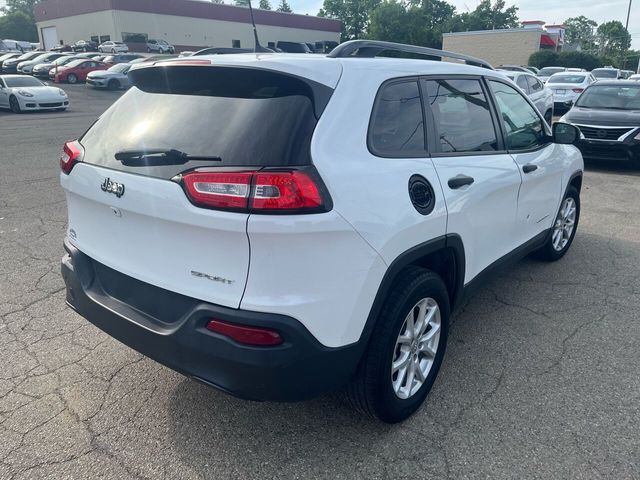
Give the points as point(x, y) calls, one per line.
point(522, 125)
point(461, 115)
point(397, 123)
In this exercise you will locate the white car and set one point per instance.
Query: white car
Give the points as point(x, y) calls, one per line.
point(113, 47)
point(568, 86)
point(546, 72)
point(22, 93)
point(635, 77)
point(113, 79)
point(159, 46)
point(281, 225)
point(540, 95)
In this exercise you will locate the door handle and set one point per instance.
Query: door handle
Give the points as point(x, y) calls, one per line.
point(459, 181)
point(528, 168)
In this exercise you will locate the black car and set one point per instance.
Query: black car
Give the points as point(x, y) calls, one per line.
point(11, 65)
point(608, 115)
point(84, 46)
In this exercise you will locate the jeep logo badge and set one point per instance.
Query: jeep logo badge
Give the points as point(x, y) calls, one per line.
point(112, 187)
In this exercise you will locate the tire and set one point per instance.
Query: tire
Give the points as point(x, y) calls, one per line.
point(113, 84)
point(72, 78)
point(113, 50)
point(14, 104)
point(555, 248)
point(373, 389)
point(148, 50)
point(548, 117)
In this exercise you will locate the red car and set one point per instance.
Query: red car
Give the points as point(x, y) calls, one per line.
point(76, 71)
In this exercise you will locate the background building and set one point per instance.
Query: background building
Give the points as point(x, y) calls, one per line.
point(512, 46)
point(187, 24)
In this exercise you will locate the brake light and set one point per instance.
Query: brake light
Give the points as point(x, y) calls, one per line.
point(73, 153)
point(578, 90)
point(264, 191)
point(256, 336)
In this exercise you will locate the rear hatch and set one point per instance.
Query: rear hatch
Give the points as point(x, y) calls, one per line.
point(127, 207)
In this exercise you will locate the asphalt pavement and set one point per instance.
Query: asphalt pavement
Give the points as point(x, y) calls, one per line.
point(541, 378)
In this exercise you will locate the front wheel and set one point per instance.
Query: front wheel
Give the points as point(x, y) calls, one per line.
point(406, 348)
point(113, 84)
point(72, 78)
point(14, 105)
point(564, 228)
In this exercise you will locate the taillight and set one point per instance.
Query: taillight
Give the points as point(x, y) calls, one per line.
point(264, 191)
point(256, 336)
point(578, 90)
point(73, 153)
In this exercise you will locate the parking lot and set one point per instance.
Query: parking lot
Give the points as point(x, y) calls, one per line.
point(541, 377)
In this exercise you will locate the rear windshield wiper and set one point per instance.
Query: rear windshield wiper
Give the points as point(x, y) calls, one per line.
point(159, 156)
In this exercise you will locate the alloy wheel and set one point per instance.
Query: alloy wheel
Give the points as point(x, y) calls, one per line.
point(565, 223)
point(416, 347)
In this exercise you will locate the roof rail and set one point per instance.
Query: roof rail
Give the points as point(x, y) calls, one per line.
point(371, 48)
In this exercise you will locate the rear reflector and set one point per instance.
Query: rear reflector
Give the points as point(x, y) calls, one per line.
point(578, 90)
point(264, 191)
point(73, 153)
point(246, 335)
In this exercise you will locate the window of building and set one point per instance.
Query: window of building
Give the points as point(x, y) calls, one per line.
point(397, 123)
point(105, 38)
point(462, 116)
point(134, 37)
point(235, 43)
point(95, 38)
point(523, 126)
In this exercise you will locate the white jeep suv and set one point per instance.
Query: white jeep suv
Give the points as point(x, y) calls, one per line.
point(278, 226)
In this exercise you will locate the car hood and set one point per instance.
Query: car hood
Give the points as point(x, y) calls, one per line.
point(40, 91)
point(603, 116)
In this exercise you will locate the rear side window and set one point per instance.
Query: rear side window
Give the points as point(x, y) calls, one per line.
point(397, 122)
point(534, 84)
point(243, 116)
point(461, 116)
point(521, 81)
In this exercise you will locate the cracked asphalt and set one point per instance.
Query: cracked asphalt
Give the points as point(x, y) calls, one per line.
point(541, 377)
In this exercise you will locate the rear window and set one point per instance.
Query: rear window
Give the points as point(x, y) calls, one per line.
point(605, 73)
point(567, 79)
point(243, 116)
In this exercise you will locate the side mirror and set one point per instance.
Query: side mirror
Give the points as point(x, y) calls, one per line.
point(565, 133)
point(568, 103)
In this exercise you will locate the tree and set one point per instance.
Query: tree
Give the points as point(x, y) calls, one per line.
point(354, 15)
point(389, 22)
point(543, 58)
point(18, 26)
point(580, 30)
point(284, 6)
point(24, 6)
point(613, 38)
point(265, 5)
point(488, 16)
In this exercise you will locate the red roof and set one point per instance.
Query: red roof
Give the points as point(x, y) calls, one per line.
point(546, 41)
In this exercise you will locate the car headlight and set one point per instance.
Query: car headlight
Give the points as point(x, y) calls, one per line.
point(25, 93)
point(62, 92)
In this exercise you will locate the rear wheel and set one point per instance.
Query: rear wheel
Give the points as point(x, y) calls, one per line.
point(406, 348)
point(72, 78)
point(564, 228)
point(14, 104)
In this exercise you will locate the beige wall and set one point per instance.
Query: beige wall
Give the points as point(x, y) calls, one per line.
point(81, 27)
point(497, 47)
point(176, 30)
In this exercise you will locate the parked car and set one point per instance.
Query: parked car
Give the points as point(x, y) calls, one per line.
point(606, 73)
point(27, 66)
point(11, 65)
point(251, 300)
point(113, 79)
point(8, 56)
point(576, 70)
point(84, 46)
point(218, 51)
point(546, 72)
point(567, 87)
point(113, 47)
point(160, 46)
point(8, 45)
point(325, 46)
point(62, 48)
point(42, 70)
point(541, 96)
point(23, 93)
point(627, 73)
point(607, 115)
point(515, 68)
point(293, 47)
point(153, 58)
point(121, 58)
point(76, 71)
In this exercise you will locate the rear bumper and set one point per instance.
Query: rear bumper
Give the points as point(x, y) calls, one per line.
point(170, 328)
